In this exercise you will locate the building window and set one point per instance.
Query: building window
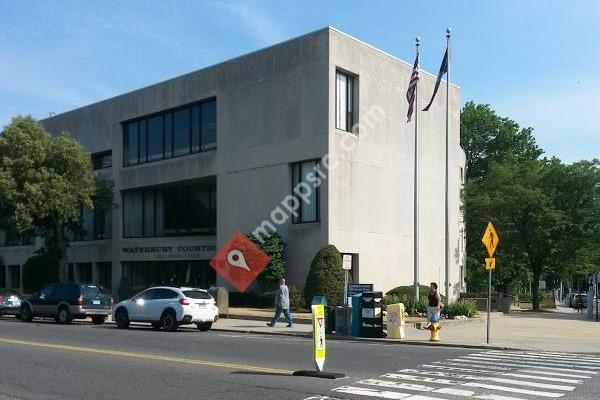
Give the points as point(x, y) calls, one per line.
point(344, 101)
point(306, 191)
point(173, 133)
point(11, 239)
point(104, 274)
point(84, 272)
point(94, 224)
point(102, 160)
point(14, 274)
point(194, 273)
point(170, 211)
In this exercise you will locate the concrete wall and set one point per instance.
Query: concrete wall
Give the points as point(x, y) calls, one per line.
point(371, 189)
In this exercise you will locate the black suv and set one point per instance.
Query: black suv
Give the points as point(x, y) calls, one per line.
point(66, 301)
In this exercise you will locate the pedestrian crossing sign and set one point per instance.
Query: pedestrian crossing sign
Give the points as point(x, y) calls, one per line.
point(490, 239)
point(319, 346)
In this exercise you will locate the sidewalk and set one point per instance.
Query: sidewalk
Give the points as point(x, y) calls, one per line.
point(523, 330)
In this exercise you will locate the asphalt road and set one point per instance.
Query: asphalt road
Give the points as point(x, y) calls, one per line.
point(42, 360)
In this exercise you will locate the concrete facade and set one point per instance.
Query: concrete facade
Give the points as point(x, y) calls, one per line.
point(275, 107)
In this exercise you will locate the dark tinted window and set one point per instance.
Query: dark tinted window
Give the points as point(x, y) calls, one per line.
point(131, 154)
point(66, 291)
point(91, 291)
point(155, 138)
point(163, 294)
point(197, 294)
point(181, 132)
point(209, 125)
point(102, 159)
point(147, 294)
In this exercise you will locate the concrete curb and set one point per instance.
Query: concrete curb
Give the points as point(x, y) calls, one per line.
point(382, 341)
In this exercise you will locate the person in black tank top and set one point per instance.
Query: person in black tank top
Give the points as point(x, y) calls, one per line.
point(434, 302)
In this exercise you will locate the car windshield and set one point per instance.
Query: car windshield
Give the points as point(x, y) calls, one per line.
point(89, 291)
point(197, 294)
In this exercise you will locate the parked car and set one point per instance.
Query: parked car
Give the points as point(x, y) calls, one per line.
point(168, 307)
point(67, 301)
point(10, 304)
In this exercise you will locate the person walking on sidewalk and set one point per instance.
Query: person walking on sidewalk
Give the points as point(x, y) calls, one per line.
point(282, 304)
point(434, 306)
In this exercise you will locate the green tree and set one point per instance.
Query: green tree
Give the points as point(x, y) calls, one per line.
point(274, 247)
point(44, 181)
point(38, 271)
point(488, 139)
point(547, 217)
point(326, 276)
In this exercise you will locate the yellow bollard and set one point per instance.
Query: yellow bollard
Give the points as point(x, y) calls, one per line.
point(435, 331)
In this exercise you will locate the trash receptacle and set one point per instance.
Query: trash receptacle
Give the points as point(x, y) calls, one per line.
point(329, 316)
point(371, 315)
point(342, 320)
point(395, 321)
point(356, 314)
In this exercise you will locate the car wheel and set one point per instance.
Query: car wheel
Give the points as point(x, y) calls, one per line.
point(168, 321)
point(26, 313)
point(204, 326)
point(122, 318)
point(156, 326)
point(64, 315)
point(98, 319)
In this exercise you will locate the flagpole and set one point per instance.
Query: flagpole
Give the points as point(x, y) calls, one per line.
point(416, 185)
point(447, 226)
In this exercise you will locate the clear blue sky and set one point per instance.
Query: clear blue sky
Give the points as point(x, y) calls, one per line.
point(537, 62)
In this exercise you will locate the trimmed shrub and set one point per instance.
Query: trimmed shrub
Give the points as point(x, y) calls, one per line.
point(409, 291)
point(296, 298)
point(411, 306)
point(38, 271)
point(468, 308)
point(326, 277)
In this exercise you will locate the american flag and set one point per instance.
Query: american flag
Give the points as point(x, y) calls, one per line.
point(412, 89)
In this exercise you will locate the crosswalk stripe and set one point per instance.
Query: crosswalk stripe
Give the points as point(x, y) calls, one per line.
point(538, 362)
point(470, 363)
point(382, 394)
point(455, 392)
point(396, 385)
point(568, 355)
point(482, 364)
point(454, 375)
point(544, 378)
point(540, 358)
point(535, 371)
point(497, 397)
point(521, 365)
point(445, 381)
point(513, 390)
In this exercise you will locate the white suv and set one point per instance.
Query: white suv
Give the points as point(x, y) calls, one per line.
point(168, 307)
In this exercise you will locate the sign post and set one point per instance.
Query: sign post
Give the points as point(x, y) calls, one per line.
point(490, 239)
point(347, 266)
point(319, 346)
point(319, 350)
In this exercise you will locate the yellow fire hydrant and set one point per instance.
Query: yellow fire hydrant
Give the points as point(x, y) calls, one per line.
point(435, 331)
point(434, 327)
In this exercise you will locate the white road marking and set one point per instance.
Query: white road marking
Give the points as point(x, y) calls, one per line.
point(544, 378)
point(395, 385)
point(470, 363)
point(483, 362)
point(497, 397)
point(527, 357)
point(443, 381)
point(534, 371)
point(455, 392)
point(463, 368)
point(427, 379)
point(567, 364)
point(456, 375)
point(382, 394)
point(568, 355)
point(514, 390)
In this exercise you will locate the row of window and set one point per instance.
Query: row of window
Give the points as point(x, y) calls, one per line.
point(170, 211)
point(96, 224)
point(13, 280)
point(186, 130)
point(180, 273)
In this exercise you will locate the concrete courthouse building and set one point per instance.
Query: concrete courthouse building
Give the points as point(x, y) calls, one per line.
point(197, 157)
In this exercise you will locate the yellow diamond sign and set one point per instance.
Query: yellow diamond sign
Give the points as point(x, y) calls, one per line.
point(490, 239)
